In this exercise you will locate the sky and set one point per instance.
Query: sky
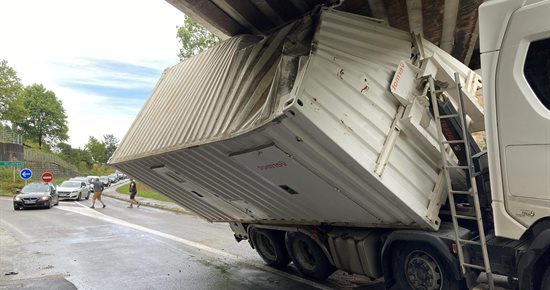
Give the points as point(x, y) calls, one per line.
point(101, 58)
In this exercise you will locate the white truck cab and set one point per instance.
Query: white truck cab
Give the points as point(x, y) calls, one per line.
point(515, 57)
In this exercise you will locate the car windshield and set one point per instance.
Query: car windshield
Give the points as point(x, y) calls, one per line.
point(102, 178)
point(70, 184)
point(35, 187)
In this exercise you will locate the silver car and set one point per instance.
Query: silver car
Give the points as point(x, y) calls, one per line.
point(85, 180)
point(73, 189)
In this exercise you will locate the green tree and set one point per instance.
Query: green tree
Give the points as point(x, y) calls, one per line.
point(110, 142)
point(10, 89)
point(46, 121)
point(194, 38)
point(96, 150)
point(74, 155)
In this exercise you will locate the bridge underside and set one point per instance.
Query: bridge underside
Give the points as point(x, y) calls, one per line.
point(450, 24)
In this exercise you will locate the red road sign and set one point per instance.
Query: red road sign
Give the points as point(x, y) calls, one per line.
point(47, 176)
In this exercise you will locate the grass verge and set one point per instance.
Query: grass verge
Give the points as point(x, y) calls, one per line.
point(143, 191)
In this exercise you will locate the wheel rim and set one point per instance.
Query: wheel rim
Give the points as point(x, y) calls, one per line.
point(423, 272)
point(304, 255)
point(265, 245)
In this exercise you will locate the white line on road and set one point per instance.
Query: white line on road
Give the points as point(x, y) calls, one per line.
point(98, 215)
point(15, 229)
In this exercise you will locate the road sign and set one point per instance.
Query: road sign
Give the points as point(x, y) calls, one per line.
point(12, 163)
point(47, 176)
point(25, 174)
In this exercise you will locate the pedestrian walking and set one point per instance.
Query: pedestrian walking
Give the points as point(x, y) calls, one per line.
point(98, 190)
point(133, 192)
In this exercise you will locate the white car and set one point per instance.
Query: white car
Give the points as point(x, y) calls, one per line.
point(72, 189)
point(85, 180)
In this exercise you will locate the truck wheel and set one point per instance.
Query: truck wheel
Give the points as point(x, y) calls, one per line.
point(308, 257)
point(270, 245)
point(418, 267)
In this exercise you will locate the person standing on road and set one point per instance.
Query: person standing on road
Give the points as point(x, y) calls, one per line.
point(133, 192)
point(98, 190)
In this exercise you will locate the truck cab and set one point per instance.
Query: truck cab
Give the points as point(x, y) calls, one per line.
point(515, 53)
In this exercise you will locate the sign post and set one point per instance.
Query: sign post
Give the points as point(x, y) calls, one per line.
point(25, 174)
point(47, 177)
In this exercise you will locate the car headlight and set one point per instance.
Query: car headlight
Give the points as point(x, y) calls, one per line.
point(75, 191)
point(45, 197)
point(17, 198)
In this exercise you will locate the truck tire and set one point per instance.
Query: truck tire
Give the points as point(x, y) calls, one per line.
point(270, 245)
point(308, 257)
point(418, 266)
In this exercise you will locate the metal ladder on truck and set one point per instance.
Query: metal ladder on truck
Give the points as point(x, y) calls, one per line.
point(468, 168)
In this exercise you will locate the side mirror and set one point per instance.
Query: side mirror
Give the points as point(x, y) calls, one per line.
point(18, 190)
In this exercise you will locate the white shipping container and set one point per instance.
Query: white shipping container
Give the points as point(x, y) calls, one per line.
point(296, 128)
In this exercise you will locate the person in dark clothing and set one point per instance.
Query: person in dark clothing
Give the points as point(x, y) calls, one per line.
point(98, 190)
point(133, 192)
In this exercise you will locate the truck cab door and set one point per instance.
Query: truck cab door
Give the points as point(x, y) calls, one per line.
point(523, 112)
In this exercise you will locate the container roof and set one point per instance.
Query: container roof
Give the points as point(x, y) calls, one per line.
point(452, 25)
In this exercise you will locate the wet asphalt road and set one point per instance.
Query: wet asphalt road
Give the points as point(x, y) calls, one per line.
point(72, 246)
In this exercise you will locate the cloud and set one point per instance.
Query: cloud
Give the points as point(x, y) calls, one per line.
point(102, 58)
point(115, 79)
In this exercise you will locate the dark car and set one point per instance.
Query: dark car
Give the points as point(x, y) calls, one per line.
point(105, 180)
point(36, 195)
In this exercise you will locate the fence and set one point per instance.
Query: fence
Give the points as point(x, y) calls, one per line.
point(41, 161)
point(38, 161)
point(7, 136)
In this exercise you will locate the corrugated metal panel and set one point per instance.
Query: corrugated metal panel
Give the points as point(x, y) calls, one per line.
point(329, 131)
point(234, 81)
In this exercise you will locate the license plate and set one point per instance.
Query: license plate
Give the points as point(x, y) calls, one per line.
point(29, 201)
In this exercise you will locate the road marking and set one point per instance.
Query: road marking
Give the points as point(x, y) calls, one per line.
point(85, 210)
point(15, 229)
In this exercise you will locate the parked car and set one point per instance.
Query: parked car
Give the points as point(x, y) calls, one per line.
point(105, 180)
point(35, 195)
point(73, 189)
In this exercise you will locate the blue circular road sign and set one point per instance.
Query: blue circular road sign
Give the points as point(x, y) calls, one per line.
point(25, 174)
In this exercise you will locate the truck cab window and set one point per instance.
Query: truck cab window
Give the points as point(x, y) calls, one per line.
point(537, 70)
